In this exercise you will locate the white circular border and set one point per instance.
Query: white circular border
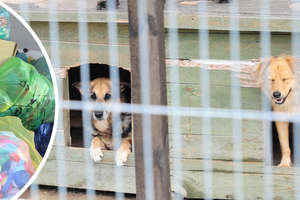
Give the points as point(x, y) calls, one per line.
point(51, 69)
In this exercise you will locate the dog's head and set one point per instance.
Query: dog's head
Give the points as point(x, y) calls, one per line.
point(101, 92)
point(278, 71)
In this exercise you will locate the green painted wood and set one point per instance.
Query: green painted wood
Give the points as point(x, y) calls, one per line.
point(75, 154)
point(192, 171)
point(219, 126)
point(219, 43)
point(222, 147)
point(220, 96)
point(98, 53)
point(185, 21)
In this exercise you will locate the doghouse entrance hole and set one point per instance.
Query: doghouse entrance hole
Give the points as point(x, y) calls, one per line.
point(96, 71)
point(276, 145)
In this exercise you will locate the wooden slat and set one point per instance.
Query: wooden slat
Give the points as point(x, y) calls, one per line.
point(75, 154)
point(218, 15)
point(158, 96)
point(193, 176)
point(219, 127)
point(219, 44)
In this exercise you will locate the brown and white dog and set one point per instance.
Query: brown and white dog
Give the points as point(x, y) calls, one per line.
point(282, 90)
point(102, 121)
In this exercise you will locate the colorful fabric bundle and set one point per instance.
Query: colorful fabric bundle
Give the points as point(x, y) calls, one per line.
point(16, 166)
point(14, 125)
point(4, 24)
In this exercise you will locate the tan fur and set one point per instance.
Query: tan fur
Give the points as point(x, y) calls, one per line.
point(103, 139)
point(279, 73)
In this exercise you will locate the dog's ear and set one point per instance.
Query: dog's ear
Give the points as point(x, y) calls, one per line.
point(261, 69)
point(290, 61)
point(125, 91)
point(77, 85)
point(124, 86)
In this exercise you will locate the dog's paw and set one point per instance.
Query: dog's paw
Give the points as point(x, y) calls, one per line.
point(96, 154)
point(285, 162)
point(121, 156)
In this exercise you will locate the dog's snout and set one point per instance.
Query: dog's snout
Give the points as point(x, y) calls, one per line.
point(276, 94)
point(98, 114)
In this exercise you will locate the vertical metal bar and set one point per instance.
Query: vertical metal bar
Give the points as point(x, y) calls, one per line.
point(173, 43)
point(55, 59)
point(34, 192)
point(85, 80)
point(205, 91)
point(235, 100)
point(115, 82)
point(24, 7)
point(296, 125)
point(159, 129)
point(265, 44)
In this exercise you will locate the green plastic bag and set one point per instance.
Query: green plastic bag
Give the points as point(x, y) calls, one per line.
point(14, 125)
point(4, 24)
point(25, 93)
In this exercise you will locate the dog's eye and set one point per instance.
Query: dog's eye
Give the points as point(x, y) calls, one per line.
point(285, 79)
point(107, 96)
point(273, 80)
point(93, 96)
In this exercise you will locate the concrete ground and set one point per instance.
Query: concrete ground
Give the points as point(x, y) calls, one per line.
point(51, 193)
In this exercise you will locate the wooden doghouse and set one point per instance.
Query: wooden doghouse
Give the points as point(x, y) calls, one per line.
point(191, 128)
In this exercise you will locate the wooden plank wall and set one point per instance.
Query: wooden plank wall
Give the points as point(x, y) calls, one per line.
point(191, 129)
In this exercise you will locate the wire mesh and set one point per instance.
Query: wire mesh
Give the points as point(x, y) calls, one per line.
point(205, 113)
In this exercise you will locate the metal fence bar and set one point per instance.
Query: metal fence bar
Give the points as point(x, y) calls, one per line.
point(187, 111)
point(296, 126)
point(55, 59)
point(265, 44)
point(148, 77)
point(159, 128)
point(34, 192)
point(115, 82)
point(85, 85)
point(236, 101)
point(173, 43)
point(205, 91)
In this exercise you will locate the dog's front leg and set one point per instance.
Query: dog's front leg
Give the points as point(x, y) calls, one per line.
point(123, 152)
point(283, 135)
point(96, 149)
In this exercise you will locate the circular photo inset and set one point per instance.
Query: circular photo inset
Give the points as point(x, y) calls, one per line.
point(27, 104)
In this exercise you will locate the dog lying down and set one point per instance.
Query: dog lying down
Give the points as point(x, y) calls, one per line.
point(102, 121)
point(282, 90)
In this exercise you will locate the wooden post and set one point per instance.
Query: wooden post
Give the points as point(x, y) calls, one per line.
point(158, 96)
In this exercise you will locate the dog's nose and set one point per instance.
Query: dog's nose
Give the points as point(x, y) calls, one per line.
point(98, 114)
point(276, 94)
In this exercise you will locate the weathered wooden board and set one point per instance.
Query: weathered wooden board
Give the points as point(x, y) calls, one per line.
point(219, 15)
point(218, 126)
point(221, 147)
point(75, 154)
point(220, 96)
point(219, 42)
point(193, 176)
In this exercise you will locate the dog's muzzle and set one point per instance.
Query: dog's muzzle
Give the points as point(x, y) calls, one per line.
point(277, 97)
point(98, 114)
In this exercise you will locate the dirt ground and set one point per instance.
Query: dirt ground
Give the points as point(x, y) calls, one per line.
point(51, 193)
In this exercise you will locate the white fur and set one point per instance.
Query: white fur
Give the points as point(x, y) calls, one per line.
point(96, 154)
